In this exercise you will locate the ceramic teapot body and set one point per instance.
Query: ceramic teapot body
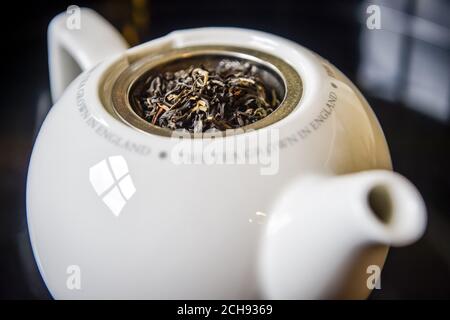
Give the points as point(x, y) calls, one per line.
point(115, 212)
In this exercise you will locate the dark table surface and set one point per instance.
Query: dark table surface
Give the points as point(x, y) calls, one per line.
point(419, 143)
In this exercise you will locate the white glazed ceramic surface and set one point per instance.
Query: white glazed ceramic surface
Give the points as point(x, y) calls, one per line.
point(208, 231)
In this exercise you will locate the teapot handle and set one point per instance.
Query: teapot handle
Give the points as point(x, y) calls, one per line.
point(78, 39)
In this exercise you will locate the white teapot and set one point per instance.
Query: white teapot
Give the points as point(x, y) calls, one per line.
point(116, 210)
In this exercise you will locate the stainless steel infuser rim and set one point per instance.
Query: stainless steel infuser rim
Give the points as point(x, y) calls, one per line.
point(292, 83)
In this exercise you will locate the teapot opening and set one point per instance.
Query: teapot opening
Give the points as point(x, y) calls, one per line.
point(281, 84)
point(207, 92)
point(396, 204)
point(379, 200)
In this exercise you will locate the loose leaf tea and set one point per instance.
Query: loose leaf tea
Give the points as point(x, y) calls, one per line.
point(229, 95)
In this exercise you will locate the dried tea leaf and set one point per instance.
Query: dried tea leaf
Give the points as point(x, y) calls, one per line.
point(198, 99)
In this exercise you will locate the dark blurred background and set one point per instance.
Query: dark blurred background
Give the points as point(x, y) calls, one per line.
point(402, 68)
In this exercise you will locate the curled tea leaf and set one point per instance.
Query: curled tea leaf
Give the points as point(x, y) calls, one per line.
point(229, 95)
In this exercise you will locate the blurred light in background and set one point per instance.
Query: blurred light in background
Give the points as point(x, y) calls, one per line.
point(407, 60)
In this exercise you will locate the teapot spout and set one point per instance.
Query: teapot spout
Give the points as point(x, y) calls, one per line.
point(320, 224)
